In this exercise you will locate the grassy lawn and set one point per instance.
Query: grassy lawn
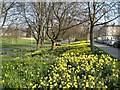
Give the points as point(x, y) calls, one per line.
point(69, 66)
point(11, 42)
point(47, 41)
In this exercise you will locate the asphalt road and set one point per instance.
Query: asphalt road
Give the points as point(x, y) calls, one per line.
point(115, 52)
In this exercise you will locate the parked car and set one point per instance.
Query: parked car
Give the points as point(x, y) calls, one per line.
point(104, 41)
point(58, 44)
point(95, 40)
point(117, 44)
point(107, 43)
point(111, 42)
point(98, 41)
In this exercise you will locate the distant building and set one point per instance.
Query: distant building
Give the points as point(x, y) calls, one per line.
point(111, 32)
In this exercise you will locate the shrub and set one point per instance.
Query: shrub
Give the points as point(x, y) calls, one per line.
point(59, 40)
point(77, 39)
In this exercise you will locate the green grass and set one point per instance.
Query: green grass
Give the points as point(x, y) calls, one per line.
point(12, 42)
point(47, 41)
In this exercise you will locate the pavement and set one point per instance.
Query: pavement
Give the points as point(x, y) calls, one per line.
point(115, 52)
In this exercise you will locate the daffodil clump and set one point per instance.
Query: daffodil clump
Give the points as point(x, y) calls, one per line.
point(73, 66)
point(80, 70)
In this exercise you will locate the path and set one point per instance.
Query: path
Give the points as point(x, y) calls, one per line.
point(115, 52)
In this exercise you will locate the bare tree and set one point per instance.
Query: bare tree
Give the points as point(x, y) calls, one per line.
point(5, 7)
point(34, 15)
point(79, 31)
point(97, 11)
point(62, 17)
point(49, 18)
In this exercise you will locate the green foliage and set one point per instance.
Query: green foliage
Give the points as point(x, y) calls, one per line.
point(47, 41)
point(77, 39)
point(80, 39)
point(67, 67)
point(59, 40)
point(23, 72)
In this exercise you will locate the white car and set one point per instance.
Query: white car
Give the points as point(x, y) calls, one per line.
point(111, 42)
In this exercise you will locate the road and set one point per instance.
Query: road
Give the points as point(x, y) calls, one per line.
point(115, 52)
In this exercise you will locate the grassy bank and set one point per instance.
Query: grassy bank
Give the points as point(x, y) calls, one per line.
point(67, 67)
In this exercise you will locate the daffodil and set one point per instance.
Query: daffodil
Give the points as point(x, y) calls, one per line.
point(87, 84)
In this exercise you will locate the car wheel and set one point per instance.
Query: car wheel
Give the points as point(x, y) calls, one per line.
point(115, 46)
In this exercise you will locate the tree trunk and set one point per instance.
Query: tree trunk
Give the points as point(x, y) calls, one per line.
point(91, 39)
point(69, 39)
point(38, 45)
point(42, 43)
point(53, 44)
